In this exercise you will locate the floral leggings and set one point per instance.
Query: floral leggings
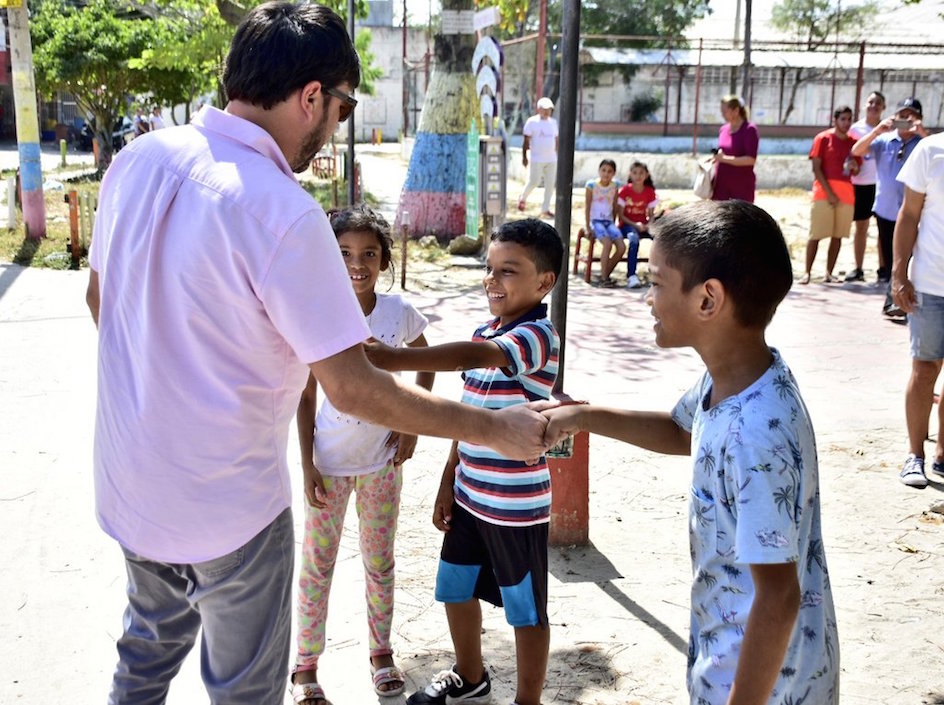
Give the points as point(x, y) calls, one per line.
point(377, 500)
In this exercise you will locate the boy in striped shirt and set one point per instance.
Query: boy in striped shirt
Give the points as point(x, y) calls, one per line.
point(495, 511)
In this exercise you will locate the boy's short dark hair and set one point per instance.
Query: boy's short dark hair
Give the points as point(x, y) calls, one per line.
point(541, 240)
point(736, 243)
point(840, 110)
point(364, 218)
point(281, 46)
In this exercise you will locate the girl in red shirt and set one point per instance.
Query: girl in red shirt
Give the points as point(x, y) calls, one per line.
point(636, 202)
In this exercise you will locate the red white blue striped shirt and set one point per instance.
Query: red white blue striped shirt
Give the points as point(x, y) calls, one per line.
point(489, 485)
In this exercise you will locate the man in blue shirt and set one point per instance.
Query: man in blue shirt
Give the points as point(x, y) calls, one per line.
point(889, 144)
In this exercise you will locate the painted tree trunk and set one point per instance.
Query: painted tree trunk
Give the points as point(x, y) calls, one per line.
point(434, 191)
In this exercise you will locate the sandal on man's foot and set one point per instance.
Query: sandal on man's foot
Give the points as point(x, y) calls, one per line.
point(388, 680)
point(805, 279)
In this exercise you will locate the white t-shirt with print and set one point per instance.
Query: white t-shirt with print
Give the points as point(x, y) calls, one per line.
point(924, 172)
point(543, 137)
point(346, 445)
point(755, 500)
point(602, 199)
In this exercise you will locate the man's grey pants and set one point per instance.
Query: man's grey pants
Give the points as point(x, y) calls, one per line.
point(243, 602)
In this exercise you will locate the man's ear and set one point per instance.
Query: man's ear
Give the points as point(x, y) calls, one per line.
point(310, 96)
point(713, 299)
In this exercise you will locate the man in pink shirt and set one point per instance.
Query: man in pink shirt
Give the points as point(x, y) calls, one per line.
point(217, 284)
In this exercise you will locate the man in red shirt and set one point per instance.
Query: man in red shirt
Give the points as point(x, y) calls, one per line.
point(833, 193)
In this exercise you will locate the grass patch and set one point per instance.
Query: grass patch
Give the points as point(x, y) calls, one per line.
point(52, 251)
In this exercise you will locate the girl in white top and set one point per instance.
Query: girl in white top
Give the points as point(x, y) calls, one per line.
point(342, 454)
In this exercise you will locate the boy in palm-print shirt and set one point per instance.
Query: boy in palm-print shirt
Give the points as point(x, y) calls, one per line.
point(763, 626)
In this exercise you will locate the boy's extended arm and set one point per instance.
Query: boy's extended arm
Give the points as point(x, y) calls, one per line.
point(356, 387)
point(767, 635)
point(652, 430)
point(448, 357)
point(406, 442)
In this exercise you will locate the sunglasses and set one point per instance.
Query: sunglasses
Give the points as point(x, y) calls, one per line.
point(901, 153)
point(348, 103)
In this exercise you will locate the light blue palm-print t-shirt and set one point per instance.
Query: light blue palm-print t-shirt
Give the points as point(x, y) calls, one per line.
point(755, 499)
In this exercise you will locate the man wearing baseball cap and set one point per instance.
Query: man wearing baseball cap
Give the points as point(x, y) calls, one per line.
point(540, 136)
point(889, 144)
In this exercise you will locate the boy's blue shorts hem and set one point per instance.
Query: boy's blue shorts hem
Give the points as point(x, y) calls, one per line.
point(503, 565)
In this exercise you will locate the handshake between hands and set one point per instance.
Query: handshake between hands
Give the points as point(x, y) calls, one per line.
point(530, 430)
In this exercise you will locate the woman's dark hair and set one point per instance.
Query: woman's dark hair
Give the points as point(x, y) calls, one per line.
point(736, 243)
point(280, 47)
point(364, 218)
point(648, 182)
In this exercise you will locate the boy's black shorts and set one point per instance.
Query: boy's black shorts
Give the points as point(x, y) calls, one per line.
point(504, 565)
point(864, 198)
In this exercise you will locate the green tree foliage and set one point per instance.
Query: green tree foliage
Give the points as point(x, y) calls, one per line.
point(817, 24)
point(170, 51)
point(87, 53)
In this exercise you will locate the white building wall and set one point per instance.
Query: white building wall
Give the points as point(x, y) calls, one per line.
point(384, 109)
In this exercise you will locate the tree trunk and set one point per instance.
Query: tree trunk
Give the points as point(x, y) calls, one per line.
point(434, 192)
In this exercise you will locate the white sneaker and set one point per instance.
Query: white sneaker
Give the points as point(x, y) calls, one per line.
point(912, 474)
point(633, 282)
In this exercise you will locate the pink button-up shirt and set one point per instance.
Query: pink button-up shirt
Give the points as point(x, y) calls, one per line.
point(220, 279)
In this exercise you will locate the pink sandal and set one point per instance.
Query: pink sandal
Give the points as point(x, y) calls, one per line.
point(387, 676)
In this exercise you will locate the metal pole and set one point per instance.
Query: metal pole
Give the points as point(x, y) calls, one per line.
point(567, 105)
point(746, 71)
point(539, 59)
point(27, 123)
point(350, 121)
point(697, 96)
point(406, 89)
point(860, 78)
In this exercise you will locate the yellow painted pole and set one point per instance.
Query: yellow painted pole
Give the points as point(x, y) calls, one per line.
point(27, 120)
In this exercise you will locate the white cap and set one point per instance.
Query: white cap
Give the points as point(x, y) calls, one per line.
point(545, 104)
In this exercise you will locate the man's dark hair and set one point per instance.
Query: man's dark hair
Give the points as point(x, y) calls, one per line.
point(541, 240)
point(840, 110)
point(364, 218)
point(734, 242)
point(281, 46)
point(880, 95)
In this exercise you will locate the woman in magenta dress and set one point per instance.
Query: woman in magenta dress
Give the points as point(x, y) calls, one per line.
point(737, 151)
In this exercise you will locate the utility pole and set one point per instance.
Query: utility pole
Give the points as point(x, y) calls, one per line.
point(27, 122)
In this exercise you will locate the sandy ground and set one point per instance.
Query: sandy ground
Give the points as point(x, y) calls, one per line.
point(618, 606)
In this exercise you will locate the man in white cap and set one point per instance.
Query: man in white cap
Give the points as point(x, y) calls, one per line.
point(540, 136)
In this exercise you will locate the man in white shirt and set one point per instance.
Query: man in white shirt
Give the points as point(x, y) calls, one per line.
point(217, 285)
point(919, 292)
point(157, 122)
point(540, 136)
point(864, 184)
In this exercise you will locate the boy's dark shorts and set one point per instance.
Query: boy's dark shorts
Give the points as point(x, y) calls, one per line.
point(864, 199)
point(504, 565)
